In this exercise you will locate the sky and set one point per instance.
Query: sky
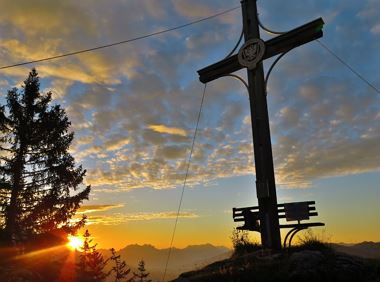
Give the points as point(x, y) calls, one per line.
point(134, 107)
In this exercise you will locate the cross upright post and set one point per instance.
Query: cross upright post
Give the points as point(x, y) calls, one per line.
point(251, 55)
point(265, 181)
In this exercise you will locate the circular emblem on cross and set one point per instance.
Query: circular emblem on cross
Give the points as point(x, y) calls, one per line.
point(251, 53)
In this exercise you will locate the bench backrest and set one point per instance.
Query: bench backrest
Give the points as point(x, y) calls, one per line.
point(295, 211)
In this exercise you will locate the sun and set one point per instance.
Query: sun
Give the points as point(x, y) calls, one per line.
point(75, 242)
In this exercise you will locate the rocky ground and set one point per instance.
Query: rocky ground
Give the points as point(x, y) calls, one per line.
point(320, 263)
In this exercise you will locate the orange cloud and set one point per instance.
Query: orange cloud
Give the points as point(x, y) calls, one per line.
point(116, 143)
point(168, 130)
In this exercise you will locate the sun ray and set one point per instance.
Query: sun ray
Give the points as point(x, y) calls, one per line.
point(39, 252)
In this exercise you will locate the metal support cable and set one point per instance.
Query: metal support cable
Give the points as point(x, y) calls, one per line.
point(349, 67)
point(184, 182)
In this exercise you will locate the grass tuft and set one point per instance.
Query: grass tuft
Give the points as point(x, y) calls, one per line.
point(242, 244)
point(313, 242)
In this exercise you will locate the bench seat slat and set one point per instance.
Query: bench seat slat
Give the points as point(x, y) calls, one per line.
point(241, 217)
point(306, 202)
point(311, 224)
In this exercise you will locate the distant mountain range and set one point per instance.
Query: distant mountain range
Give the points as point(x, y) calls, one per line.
point(364, 249)
point(198, 256)
point(181, 260)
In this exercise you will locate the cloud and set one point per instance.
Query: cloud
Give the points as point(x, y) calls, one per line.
point(116, 142)
point(376, 29)
point(59, 88)
point(84, 140)
point(172, 152)
point(120, 218)
point(67, 27)
point(329, 136)
point(4, 82)
point(168, 130)
point(134, 107)
point(289, 116)
point(44, 16)
point(154, 137)
point(201, 9)
point(17, 49)
point(86, 209)
point(91, 150)
point(370, 9)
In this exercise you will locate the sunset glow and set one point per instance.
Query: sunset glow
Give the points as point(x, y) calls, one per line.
point(74, 242)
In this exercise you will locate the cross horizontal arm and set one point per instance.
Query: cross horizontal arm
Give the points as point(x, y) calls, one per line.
point(292, 39)
point(219, 69)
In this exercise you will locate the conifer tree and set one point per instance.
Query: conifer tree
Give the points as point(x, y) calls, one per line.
point(91, 262)
point(141, 275)
point(40, 181)
point(120, 268)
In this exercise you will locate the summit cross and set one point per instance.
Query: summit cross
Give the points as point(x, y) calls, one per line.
point(251, 56)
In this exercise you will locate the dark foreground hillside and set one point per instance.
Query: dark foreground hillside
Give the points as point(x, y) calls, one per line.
point(312, 263)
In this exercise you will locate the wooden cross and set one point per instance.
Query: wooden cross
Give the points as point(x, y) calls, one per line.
point(250, 56)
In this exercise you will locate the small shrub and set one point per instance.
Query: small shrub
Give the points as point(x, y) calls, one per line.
point(242, 244)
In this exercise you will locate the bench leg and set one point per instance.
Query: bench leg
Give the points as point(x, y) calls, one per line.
point(294, 233)
point(287, 235)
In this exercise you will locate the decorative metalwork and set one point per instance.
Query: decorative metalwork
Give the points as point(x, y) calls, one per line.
point(251, 53)
point(271, 68)
point(269, 31)
point(240, 79)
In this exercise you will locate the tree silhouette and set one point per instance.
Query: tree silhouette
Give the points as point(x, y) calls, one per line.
point(5, 189)
point(141, 275)
point(91, 263)
point(39, 189)
point(120, 268)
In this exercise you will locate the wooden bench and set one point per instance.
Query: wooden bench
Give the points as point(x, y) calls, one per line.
point(296, 211)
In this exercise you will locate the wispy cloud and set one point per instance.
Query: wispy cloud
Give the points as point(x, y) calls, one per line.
point(120, 218)
point(86, 209)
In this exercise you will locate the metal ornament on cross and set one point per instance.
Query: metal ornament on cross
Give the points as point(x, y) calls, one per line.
point(251, 53)
point(251, 56)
